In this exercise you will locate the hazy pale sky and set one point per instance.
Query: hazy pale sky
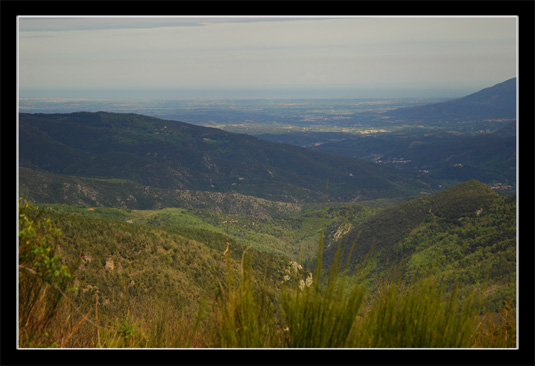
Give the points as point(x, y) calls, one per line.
point(226, 55)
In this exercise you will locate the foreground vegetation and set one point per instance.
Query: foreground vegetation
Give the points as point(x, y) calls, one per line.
point(90, 283)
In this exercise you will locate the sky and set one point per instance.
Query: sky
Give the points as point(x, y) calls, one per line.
point(257, 57)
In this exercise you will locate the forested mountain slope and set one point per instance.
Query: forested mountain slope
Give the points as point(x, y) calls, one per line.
point(443, 156)
point(173, 155)
point(466, 233)
point(44, 187)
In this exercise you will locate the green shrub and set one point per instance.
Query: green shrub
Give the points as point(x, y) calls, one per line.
point(43, 279)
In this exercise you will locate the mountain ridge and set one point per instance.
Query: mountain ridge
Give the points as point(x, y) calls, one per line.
point(45, 187)
point(176, 155)
point(495, 102)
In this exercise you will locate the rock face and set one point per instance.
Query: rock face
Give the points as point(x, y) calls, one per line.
point(109, 264)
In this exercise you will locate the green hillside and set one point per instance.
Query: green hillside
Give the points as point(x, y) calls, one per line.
point(173, 155)
point(90, 282)
point(127, 269)
point(467, 233)
point(294, 236)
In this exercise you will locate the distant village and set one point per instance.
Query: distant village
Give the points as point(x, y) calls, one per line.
point(500, 186)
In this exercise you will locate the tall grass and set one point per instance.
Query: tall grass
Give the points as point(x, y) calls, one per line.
point(243, 314)
point(321, 316)
point(498, 330)
point(328, 313)
point(416, 316)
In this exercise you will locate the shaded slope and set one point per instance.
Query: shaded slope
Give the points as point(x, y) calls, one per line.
point(444, 156)
point(175, 155)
